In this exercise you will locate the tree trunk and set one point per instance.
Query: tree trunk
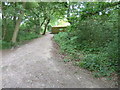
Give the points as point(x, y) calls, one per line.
point(46, 27)
point(42, 23)
point(4, 28)
point(3, 25)
point(17, 26)
point(14, 18)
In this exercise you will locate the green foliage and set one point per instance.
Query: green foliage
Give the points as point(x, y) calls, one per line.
point(0, 28)
point(97, 38)
point(23, 36)
point(5, 45)
point(30, 5)
point(65, 43)
point(9, 32)
point(98, 63)
point(67, 60)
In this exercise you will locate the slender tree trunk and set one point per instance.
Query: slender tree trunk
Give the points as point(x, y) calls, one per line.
point(17, 26)
point(3, 28)
point(46, 27)
point(4, 32)
point(14, 19)
point(16, 29)
point(42, 23)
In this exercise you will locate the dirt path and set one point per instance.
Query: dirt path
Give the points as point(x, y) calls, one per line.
point(34, 65)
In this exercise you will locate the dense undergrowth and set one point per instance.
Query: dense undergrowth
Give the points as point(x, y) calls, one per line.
point(96, 38)
point(22, 37)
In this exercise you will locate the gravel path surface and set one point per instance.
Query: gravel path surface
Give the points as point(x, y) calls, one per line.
point(34, 65)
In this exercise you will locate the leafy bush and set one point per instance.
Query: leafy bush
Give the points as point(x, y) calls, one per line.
point(97, 38)
point(26, 36)
point(66, 43)
point(23, 36)
point(5, 45)
point(98, 63)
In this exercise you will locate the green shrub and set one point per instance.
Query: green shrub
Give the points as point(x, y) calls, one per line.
point(98, 63)
point(23, 36)
point(5, 45)
point(97, 39)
